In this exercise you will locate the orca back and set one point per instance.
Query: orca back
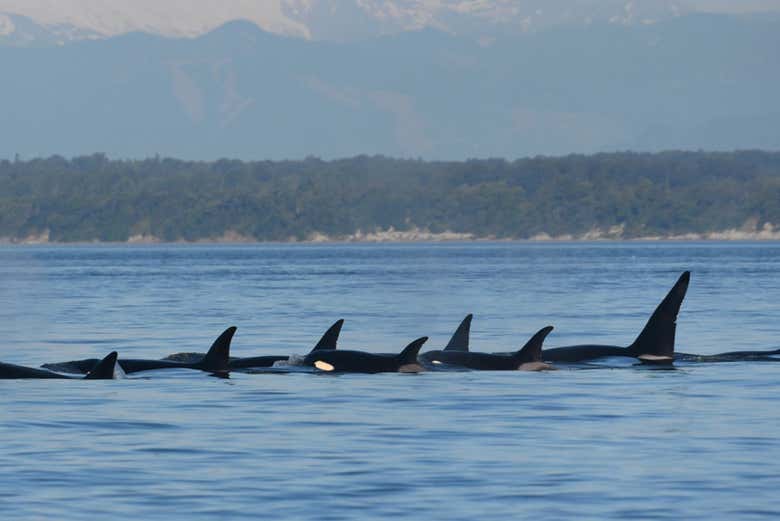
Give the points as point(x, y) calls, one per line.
point(330, 338)
point(106, 369)
point(17, 372)
point(657, 337)
point(460, 338)
point(532, 350)
point(217, 359)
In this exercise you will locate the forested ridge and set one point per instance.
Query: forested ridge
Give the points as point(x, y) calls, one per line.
point(644, 194)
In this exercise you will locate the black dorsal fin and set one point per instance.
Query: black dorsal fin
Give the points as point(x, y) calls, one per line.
point(532, 350)
point(105, 369)
point(657, 337)
point(217, 358)
point(331, 337)
point(409, 354)
point(460, 338)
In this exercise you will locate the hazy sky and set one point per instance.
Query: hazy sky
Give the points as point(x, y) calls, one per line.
point(735, 6)
point(308, 18)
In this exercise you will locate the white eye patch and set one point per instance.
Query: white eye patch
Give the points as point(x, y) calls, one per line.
point(323, 366)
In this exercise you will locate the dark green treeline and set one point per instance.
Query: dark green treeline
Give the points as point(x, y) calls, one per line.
point(96, 198)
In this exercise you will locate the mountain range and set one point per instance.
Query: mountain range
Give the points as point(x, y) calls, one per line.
point(454, 86)
point(60, 21)
point(341, 20)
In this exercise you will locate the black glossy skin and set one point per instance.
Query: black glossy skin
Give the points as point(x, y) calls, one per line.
point(479, 361)
point(573, 354)
point(136, 365)
point(104, 369)
point(11, 371)
point(233, 363)
point(255, 361)
point(355, 361)
point(73, 366)
point(656, 338)
point(731, 356)
point(329, 340)
point(531, 352)
point(128, 365)
point(215, 361)
point(363, 362)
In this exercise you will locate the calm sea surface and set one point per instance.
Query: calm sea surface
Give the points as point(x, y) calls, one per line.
point(701, 442)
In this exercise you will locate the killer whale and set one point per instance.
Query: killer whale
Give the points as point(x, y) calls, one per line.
point(529, 357)
point(731, 356)
point(105, 369)
point(459, 341)
point(654, 345)
point(329, 340)
point(364, 362)
point(215, 360)
point(460, 338)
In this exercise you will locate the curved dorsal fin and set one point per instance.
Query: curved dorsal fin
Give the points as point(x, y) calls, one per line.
point(331, 337)
point(105, 369)
point(409, 354)
point(657, 337)
point(217, 358)
point(532, 350)
point(460, 338)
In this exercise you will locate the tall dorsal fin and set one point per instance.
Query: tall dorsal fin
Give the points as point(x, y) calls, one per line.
point(105, 369)
point(217, 358)
point(331, 337)
point(409, 354)
point(460, 338)
point(532, 350)
point(657, 337)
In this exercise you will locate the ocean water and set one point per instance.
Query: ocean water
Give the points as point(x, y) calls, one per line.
point(612, 442)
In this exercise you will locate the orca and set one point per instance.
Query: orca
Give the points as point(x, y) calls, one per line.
point(329, 340)
point(731, 356)
point(105, 369)
point(362, 362)
point(215, 361)
point(460, 338)
point(654, 345)
point(528, 358)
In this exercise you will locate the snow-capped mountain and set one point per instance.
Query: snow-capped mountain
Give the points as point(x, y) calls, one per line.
point(693, 81)
point(63, 20)
point(176, 18)
point(472, 17)
point(21, 31)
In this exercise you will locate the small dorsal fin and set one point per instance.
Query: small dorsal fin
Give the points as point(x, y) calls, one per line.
point(460, 338)
point(532, 350)
point(331, 337)
point(409, 354)
point(657, 337)
point(218, 356)
point(105, 369)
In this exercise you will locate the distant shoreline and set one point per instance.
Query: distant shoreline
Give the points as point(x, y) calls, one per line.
point(735, 236)
point(672, 196)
